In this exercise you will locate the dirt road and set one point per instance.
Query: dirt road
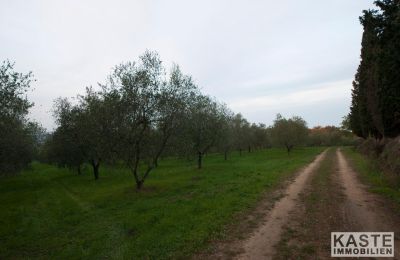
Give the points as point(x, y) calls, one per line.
point(326, 196)
point(333, 200)
point(260, 244)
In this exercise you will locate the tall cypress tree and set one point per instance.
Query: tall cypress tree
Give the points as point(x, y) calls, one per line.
point(375, 108)
point(389, 65)
point(364, 112)
point(371, 116)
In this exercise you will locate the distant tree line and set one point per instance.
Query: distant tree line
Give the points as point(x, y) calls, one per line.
point(375, 107)
point(330, 136)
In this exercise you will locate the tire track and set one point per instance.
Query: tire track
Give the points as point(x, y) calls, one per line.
point(362, 210)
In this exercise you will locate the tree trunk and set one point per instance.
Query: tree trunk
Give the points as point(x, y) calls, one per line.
point(160, 151)
point(289, 148)
point(240, 151)
point(139, 184)
point(200, 160)
point(249, 148)
point(226, 155)
point(95, 169)
point(96, 172)
point(79, 170)
point(156, 163)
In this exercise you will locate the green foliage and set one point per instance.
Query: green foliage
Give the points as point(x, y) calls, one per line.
point(64, 147)
point(289, 132)
point(375, 109)
point(133, 118)
point(204, 125)
point(345, 125)
point(49, 213)
point(18, 136)
point(141, 114)
point(13, 88)
point(259, 136)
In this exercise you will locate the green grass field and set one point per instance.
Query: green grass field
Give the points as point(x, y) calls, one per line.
point(370, 173)
point(48, 212)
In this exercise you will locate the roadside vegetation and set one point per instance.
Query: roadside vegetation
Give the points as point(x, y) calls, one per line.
point(47, 212)
point(380, 181)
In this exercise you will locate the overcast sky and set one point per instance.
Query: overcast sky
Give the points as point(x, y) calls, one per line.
point(260, 57)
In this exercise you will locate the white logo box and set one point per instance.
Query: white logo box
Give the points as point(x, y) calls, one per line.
point(362, 244)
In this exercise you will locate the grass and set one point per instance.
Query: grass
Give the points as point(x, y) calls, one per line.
point(370, 173)
point(53, 213)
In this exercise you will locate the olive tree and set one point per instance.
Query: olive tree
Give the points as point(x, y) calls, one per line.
point(65, 145)
point(86, 131)
point(259, 136)
point(241, 132)
point(16, 140)
point(151, 110)
point(289, 132)
point(172, 106)
point(98, 125)
point(226, 142)
point(204, 125)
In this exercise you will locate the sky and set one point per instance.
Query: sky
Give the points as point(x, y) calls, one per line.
point(259, 57)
